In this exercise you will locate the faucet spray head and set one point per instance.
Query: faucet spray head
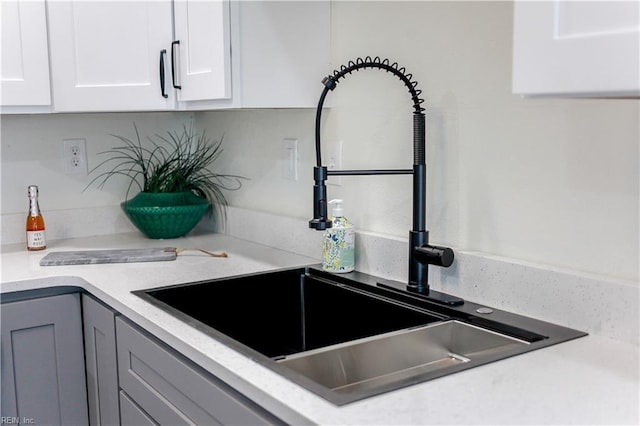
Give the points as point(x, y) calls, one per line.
point(320, 224)
point(320, 221)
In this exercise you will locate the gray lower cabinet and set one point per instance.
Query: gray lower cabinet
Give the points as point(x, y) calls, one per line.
point(101, 362)
point(42, 355)
point(162, 387)
point(131, 414)
point(118, 374)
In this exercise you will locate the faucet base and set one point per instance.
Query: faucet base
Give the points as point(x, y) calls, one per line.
point(436, 296)
point(429, 295)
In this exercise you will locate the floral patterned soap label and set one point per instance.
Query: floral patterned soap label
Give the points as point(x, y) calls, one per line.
point(338, 247)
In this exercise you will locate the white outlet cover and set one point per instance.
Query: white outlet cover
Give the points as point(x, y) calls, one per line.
point(75, 156)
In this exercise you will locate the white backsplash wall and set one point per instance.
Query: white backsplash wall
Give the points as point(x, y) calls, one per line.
point(32, 154)
point(545, 180)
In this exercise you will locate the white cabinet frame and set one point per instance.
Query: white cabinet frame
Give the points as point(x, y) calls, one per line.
point(583, 48)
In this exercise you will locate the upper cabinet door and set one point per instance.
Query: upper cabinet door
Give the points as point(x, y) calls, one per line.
point(111, 55)
point(24, 75)
point(280, 53)
point(589, 48)
point(202, 49)
point(284, 52)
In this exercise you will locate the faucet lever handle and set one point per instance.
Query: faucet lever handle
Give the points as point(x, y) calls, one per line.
point(434, 255)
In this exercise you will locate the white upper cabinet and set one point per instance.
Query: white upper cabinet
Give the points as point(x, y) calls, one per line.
point(24, 75)
point(280, 53)
point(160, 55)
point(577, 48)
point(111, 55)
point(202, 50)
point(284, 52)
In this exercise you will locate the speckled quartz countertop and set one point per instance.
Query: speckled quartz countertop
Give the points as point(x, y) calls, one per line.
point(591, 380)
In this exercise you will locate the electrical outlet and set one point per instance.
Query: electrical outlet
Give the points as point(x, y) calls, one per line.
point(75, 156)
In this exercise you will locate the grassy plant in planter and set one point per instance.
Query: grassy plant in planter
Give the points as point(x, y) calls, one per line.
point(177, 186)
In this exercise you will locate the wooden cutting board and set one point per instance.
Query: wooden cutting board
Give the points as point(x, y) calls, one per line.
point(87, 257)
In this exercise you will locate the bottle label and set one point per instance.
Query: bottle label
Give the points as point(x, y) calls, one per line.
point(338, 250)
point(36, 239)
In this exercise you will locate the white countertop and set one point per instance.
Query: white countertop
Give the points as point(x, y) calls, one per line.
point(591, 380)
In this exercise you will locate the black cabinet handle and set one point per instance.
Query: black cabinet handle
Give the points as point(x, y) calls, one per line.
point(173, 61)
point(163, 53)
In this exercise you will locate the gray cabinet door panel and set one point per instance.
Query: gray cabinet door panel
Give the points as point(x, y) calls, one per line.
point(175, 391)
point(41, 361)
point(101, 362)
point(131, 414)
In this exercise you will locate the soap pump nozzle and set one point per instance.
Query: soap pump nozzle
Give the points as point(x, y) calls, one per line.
point(337, 211)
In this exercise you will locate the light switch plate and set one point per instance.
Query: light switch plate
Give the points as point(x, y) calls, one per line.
point(290, 158)
point(334, 161)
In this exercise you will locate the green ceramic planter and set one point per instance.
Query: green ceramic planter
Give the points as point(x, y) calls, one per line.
point(165, 215)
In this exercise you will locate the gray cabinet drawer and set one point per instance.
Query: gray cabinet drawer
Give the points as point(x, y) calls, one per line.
point(172, 390)
point(131, 414)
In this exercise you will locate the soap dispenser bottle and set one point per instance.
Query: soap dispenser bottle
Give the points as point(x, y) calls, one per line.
point(339, 242)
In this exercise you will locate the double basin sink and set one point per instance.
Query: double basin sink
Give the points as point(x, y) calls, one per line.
point(348, 337)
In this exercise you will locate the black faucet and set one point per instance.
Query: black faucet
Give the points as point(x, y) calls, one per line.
point(421, 253)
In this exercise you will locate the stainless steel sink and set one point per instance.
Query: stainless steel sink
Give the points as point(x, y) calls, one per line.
point(350, 336)
point(371, 363)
